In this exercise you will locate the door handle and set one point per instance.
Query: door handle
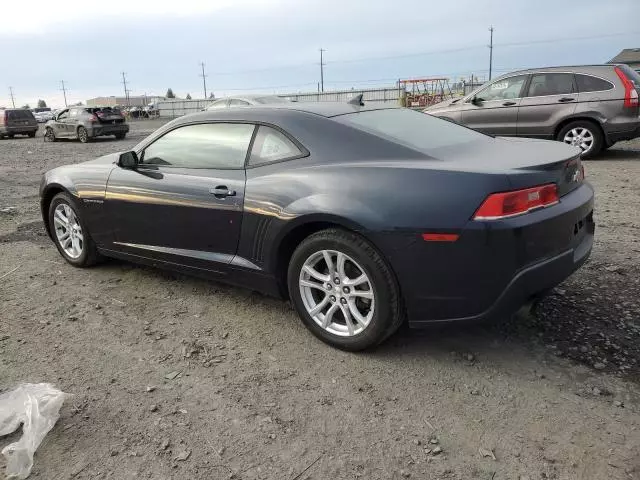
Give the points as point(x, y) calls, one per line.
point(566, 99)
point(221, 191)
point(508, 104)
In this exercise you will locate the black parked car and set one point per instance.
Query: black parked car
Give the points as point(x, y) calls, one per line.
point(17, 121)
point(361, 216)
point(85, 123)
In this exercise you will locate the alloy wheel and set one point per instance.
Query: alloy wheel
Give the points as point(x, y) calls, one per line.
point(337, 293)
point(49, 135)
point(580, 137)
point(82, 135)
point(68, 230)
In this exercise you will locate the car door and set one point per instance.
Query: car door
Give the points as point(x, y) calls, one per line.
point(550, 98)
point(183, 203)
point(494, 109)
point(60, 124)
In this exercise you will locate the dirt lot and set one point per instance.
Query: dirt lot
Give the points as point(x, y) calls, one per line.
point(178, 378)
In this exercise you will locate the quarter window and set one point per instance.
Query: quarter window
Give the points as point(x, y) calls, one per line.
point(271, 145)
point(207, 145)
point(237, 103)
point(503, 89)
point(587, 83)
point(544, 84)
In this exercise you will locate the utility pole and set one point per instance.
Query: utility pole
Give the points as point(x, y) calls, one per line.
point(13, 101)
point(322, 64)
point(64, 92)
point(204, 80)
point(126, 91)
point(491, 52)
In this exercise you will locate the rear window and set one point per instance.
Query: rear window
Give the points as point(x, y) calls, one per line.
point(20, 115)
point(419, 131)
point(587, 83)
point(270, 99)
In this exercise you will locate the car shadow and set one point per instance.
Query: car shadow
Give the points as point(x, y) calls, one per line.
point(618, 154)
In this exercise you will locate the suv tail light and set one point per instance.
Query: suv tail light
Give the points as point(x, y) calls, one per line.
point(3, 117)
point(509, 204)
point(630, 92)
point(93, 118)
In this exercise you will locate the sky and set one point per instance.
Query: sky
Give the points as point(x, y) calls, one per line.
point(272, 46)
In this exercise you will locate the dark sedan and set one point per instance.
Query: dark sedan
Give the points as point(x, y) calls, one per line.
point(362, 217)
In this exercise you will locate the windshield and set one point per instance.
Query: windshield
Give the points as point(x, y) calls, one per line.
point(412, 129)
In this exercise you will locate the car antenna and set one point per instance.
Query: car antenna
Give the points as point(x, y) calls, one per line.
point(357, 100)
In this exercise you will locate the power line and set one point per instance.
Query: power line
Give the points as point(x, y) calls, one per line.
point(64, 92)
point(322, 64)
point(204, 80)
point(490, 51)
point(429, 52)
point(13, 101)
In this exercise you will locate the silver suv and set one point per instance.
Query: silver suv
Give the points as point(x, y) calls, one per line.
point(588, 106)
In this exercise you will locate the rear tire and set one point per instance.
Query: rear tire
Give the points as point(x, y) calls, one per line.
point(11, 135)
point(584, 134)
point(49, 135)
point(120, 136)
point(83, 135)
point(372, 305)
point(32, 134)
point(88, 252)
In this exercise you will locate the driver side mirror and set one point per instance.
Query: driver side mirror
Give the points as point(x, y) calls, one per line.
point(476, 100)
point(128, 160)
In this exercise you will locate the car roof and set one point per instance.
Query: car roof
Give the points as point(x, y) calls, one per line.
point(324, 109)
point(560, 68)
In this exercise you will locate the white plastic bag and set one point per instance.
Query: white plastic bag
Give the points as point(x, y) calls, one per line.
point(37, 407)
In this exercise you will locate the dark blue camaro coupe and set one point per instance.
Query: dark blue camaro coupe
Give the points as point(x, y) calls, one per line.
point(362, 216)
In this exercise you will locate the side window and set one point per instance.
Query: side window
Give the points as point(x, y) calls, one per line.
point(271, 145)
point(237, 103)
point(73, 113)
point(503, 89)
point(587, 83)
point(544, 84)
point(64, 114)
point(206, 145)
point(218, 104)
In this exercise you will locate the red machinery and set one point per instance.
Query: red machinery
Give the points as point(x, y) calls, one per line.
point(423, 92)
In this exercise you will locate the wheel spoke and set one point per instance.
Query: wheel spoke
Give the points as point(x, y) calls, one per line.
point(362, 294)
point(59, 216)
point(65, 244)
point(356, 281)
point(318, 308)
point(79, 235)
point(310, 284)
point(60, 223)
point(329, 262)
point(316, 274)
point(329, 315)
point(347, 319)
point(355, 313)
point(340, 267)
point(75, 245)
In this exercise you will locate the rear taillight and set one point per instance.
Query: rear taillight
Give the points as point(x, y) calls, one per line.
point(508, 204)
point(93, 118)
point(3, 118)
point(630, 92)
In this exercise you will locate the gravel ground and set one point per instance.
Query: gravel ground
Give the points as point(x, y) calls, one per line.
point(178, 378)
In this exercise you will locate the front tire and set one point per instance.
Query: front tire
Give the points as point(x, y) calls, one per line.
point(49, 135)
point(69, 232)
point(584, 134)
point(83, 135)
point(343, 290)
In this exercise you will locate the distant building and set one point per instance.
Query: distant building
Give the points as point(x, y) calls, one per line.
point(134, 101)
point(629, 56)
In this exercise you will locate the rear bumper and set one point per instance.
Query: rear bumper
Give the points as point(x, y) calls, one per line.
point(496, 267)
point(620, 132)
point(114, 129)
point(18, 130)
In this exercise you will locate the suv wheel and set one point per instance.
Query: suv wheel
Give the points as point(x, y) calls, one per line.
point(49, 135)
point(32, 134)
point(83, 135)
point(584, 134)
point(343, 290)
